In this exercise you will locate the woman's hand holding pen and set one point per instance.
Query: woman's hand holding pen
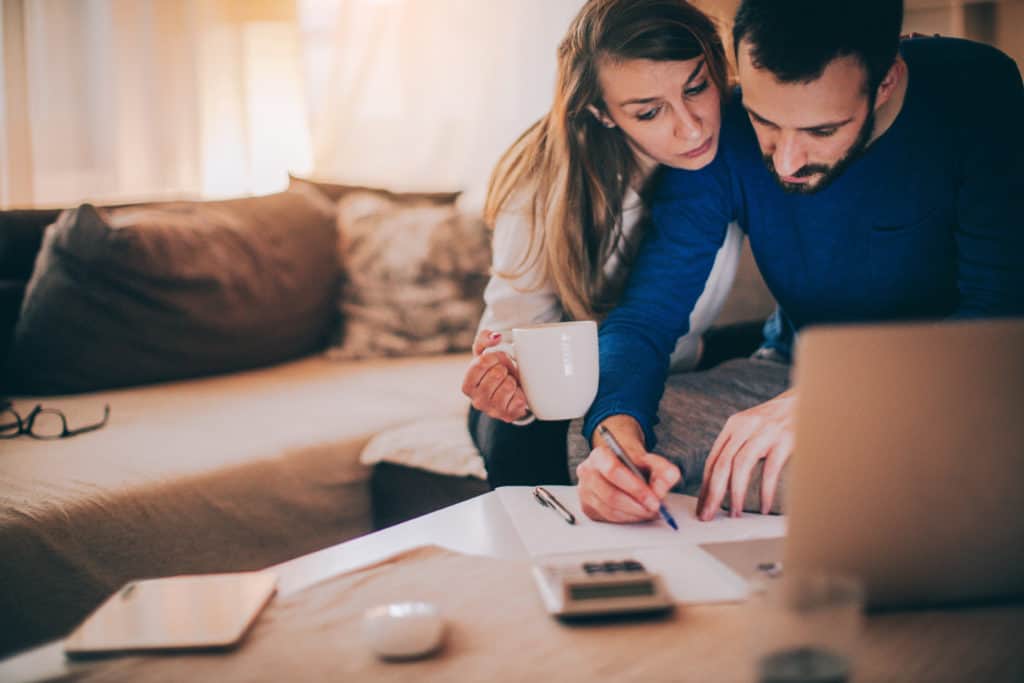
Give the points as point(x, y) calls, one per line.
point(609, 492)
point(492, 382)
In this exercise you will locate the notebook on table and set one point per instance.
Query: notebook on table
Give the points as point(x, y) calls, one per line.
point(201, 612)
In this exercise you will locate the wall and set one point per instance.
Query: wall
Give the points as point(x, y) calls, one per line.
point(996, 22)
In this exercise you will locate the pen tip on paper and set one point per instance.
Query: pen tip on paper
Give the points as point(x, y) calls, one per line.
point(669, 519)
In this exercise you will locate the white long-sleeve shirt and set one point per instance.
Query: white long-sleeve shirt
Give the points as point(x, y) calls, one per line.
point(530, 298)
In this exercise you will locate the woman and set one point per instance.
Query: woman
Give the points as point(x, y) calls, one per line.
point(640, 83)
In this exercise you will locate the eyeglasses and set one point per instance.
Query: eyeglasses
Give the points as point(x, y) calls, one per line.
point(42, 423)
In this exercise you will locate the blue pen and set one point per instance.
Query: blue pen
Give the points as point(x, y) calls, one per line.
point(621, 455)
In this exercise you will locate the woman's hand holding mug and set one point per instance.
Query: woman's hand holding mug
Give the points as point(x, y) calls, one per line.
point(550, 370)
point(492, 381)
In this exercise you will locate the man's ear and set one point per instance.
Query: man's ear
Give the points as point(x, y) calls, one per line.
point(602, 118)
point(890, 82)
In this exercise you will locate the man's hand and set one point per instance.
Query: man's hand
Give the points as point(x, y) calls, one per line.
point(608, 491)
point(492, 381)
point(762, 432)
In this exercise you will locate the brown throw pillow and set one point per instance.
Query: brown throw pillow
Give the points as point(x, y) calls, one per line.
point(168, 291)
point(415, 271)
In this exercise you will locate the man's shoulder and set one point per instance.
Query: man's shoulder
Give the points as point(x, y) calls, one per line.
point(957, 66)
point(943, 52)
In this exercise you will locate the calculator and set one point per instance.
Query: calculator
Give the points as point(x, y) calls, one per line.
point(600, 588)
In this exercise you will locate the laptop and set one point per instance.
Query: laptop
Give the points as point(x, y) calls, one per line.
point(908, 469)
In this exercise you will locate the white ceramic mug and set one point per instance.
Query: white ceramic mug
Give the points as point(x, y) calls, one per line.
point(558, 367)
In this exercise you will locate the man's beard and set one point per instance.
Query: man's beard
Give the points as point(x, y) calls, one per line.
point(827, 173)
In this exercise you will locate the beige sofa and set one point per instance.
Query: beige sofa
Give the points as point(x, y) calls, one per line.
point(221, 472)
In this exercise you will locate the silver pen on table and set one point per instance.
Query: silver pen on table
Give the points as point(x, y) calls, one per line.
point(613, 444)
point(547, 499)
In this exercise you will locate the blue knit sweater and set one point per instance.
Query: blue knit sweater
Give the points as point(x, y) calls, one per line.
point(927, 223)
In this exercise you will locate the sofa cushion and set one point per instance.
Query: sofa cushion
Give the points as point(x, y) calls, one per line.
point(414, 277)
point(158, 292)
point(224, 473)
point(438, 444)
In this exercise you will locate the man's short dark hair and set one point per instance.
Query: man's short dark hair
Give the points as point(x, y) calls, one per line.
point(796, 39)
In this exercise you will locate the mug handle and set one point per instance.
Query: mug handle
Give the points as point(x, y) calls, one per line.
point(509, 349)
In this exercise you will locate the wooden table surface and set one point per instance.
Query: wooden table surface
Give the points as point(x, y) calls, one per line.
point(700, 643)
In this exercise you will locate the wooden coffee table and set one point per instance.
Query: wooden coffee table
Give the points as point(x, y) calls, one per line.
point(977, 644)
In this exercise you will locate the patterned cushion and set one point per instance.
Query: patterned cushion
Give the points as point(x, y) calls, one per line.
point(414, 270)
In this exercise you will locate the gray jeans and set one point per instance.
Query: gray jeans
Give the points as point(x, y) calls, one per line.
point(694, 409)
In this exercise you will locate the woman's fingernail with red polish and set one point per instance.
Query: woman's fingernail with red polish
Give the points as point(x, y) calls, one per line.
point(495, 336)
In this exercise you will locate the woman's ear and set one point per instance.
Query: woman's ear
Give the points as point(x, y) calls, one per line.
point(602, 118)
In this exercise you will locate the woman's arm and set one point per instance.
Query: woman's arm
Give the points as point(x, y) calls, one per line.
point(517, 294)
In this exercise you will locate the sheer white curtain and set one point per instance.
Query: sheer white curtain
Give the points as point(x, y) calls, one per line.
point(426, 94)
point(124, 99)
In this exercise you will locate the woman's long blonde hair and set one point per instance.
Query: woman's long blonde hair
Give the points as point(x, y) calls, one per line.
point(574, 170)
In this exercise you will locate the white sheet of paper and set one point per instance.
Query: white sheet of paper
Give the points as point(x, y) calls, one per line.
point(544, 532)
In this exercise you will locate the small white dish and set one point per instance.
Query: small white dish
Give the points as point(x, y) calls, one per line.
point(403, 630)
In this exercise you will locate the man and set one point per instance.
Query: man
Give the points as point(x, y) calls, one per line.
point(875, 180)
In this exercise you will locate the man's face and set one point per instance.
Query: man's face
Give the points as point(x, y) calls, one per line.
point(808, 132)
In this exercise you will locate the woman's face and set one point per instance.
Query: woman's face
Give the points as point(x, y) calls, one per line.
point(670, 112)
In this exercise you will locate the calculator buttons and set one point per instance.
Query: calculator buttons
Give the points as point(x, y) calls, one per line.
point(591, 568)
